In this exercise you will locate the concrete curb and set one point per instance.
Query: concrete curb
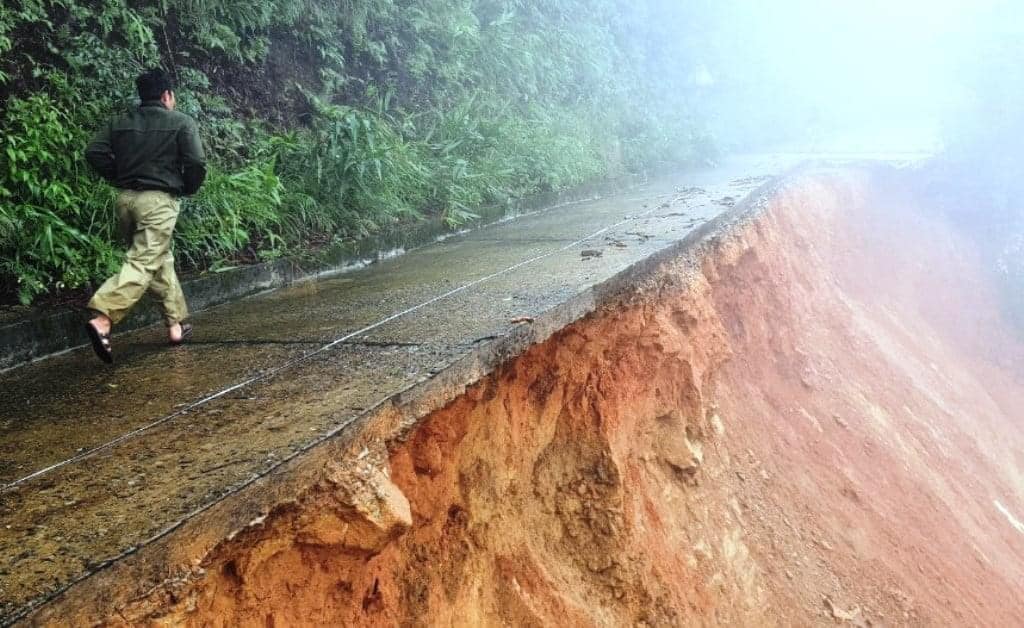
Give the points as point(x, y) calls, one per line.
point(43, 333)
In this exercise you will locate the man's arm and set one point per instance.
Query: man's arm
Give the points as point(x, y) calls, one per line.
point(100, 154)
point(193, 160)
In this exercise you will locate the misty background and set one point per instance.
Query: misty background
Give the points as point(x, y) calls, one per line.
point(875, 78)
point(870, 75)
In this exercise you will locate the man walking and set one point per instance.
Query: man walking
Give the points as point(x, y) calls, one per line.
point(152, 155)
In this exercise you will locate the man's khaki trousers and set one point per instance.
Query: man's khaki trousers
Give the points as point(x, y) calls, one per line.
point(147, 221)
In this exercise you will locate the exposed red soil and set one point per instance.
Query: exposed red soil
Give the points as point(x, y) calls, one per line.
point(808, 421)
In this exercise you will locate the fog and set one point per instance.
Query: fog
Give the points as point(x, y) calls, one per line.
point(864, 75)
point(875, 78)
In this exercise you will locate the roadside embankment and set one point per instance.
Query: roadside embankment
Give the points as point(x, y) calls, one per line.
point(807, 411)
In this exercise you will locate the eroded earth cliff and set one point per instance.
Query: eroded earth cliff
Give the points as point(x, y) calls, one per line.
point(809, 413)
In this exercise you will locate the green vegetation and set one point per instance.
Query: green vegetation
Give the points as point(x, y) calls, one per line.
point(327, 119)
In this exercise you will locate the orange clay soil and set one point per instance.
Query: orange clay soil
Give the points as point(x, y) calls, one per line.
point(814, 417)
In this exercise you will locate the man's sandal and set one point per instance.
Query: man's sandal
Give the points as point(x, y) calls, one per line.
point(100, 343)
point(186, 332)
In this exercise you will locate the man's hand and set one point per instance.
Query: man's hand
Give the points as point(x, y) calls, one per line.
point(100, 154)
point(193, 160)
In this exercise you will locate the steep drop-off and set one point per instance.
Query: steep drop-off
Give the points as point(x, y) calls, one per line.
point(810, 415)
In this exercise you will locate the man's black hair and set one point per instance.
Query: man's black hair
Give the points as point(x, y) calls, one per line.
point(153, 83)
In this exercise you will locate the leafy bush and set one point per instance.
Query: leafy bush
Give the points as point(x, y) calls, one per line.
point(362, 166)
point(231, 213)
point(54, 219)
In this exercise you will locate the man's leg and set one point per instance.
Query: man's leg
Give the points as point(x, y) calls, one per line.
point(167, 289)
point(154, 215)
point(126, 230)
point(125, 220)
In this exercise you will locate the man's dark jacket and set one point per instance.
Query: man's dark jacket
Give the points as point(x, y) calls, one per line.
point(150, 148)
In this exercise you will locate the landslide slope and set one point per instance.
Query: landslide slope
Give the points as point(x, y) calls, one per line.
point(810, 413)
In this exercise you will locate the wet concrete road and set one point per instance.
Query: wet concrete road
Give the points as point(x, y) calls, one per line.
point(95, 460)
